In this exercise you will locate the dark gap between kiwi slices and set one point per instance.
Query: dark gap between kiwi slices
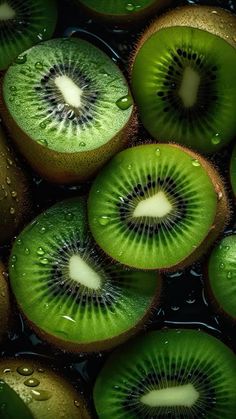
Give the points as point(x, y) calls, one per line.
point(69, 292)
point(23, 24)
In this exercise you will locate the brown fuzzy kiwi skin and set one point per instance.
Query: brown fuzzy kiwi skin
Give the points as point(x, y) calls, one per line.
point(67, 168)
point(15, 205)
point(64, 401)
point(104, 345)
point(129, 19)
point(215, 20)
point(5, 309)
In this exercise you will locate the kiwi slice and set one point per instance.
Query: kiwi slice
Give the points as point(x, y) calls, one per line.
point(15, 201)
point(222, 276)
point(23, 24)
point(120, 11)
point(68, 107)
point(72, 296)
point(4, 304)
point(30, 390)
point(179, 374)
point(183, 78)
point(157, 206)
point(233, 171)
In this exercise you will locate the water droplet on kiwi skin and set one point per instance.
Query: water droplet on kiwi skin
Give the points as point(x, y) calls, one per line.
point(26, 371)
point(41, 395)
point(31, 382)
point(125, 102)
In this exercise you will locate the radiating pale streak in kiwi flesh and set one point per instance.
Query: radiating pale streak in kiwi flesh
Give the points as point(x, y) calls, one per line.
point(82, 273)
point(189, 87)
point(184, 395)
point(71, 93)
point(6, 12)
point(157, 205)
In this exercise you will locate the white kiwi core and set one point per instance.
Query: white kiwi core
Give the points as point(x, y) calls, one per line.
point(189, 87)
point(71, 93)
point(82, 273)
point(157, 205)
point(183, 395)
point(6, 11)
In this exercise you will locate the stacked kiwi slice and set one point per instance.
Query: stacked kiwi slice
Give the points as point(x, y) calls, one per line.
point(5, 309)
point(157, 206)
point(59, 101)
point(183, 77)
point(31, 390)
point(68, 290)
point(15, 200)
point(168, 374)
point(23, 24)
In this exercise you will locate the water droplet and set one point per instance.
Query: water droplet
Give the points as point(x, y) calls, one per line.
point(25, 370)
point(27, 251)
point(222, 265)
point(7, 370)
point(21, 59)
point(14, 258)
point(44, 261)
point(14, 194)
point(40, 251)
point(229, 275)
point(219, 195)
point(42, 230)
point(12, 210)
point(82, 144)
point(116, 387)
point(158, 152)
point(13, 88)
point(175, 308)
point(216, 139)
point(41, 395)
point(195, 162)
point(76, 403)
point(18, 241)
point(10, 162)
point(214, 12)
point(41, 370)
point(43, 142)
point(8, 180)
point(32, 382)
point(38, 65)
point(130, 7)
point(124, 102)
point(190, 300)
point(129, 167)
point(69, 216)
point(104, 220)
point(42, 125)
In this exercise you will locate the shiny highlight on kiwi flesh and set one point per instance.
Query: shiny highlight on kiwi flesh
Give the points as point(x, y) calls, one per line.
point(30, 390)
point(4, 303)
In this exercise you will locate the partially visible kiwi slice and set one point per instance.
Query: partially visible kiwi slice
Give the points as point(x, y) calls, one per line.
point(4, 303)
point(123, 12)
point(68, 108)
point(233, 171)
point(177, 374)
point(157, 206)
point(30, 390)
point(15, 201)
point(222, 276)
point(23, 24)
point(183, 78)
point(70, 293)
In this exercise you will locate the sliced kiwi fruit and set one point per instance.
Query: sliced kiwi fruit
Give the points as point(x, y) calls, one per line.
point(68, 107)
point(31, 390)
point(123, 12)
point(4, 303)
point(222, 276)
point(15, 201)
point(177, 374)
point(23, 24)
point(157, 206)
point(183, 78)
point(70, 293)
point(233, 171)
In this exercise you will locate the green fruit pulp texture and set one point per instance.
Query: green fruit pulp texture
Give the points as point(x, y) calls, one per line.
point(37, 104)
point(80, 315)
point(222, 274)
point(233, 171)
point(122, 176)
point(206, 124)
point(117, 7)
point(168, 359)
point(11, 405)
point(29, 22)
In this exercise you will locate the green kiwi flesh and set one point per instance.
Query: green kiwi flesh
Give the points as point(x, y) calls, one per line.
point(70, 293)
point(4, 303)
point(23, 24)
point(222, 275)
point(184, 84)
point(59, 101)
point(30, 390)
point(233, 171)
point(168, 374)
point(15, 201)
point(152, 206)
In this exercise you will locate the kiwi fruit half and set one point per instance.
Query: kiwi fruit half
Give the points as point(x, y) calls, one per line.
point(222, 276)
point(157, 206)
point(68, 107)
point(4, 304)
point(233, 171)
point(176, 374)
point(23, 24)
point(31, 390)
point(123, 12)
point(71, 295)
point(15, 201)
point(183, 78)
